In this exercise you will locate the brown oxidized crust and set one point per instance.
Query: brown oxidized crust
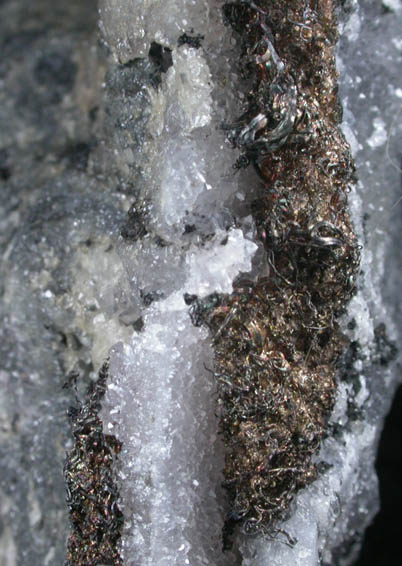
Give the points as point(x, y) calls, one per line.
point(92, 495)
point(277, 341)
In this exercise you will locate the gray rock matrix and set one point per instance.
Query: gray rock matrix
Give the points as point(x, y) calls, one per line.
point(87, 129)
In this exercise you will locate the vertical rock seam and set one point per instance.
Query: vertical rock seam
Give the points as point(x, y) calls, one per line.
point(92, 493)
point(276, 340)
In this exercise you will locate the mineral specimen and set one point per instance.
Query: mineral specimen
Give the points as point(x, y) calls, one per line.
point(174, 201)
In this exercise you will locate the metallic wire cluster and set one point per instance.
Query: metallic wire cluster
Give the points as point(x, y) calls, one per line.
point(276, 340)
point(92, 494)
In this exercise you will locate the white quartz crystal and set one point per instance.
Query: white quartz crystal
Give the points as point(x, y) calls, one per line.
point(214, 268)
point(161, 397)
point(129, 26)
point(163, 410)
point(379, 135)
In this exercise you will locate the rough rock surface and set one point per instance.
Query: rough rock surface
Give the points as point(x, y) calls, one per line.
point(48, 77)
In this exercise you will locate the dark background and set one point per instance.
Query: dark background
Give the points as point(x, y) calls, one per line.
point(383, 539)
